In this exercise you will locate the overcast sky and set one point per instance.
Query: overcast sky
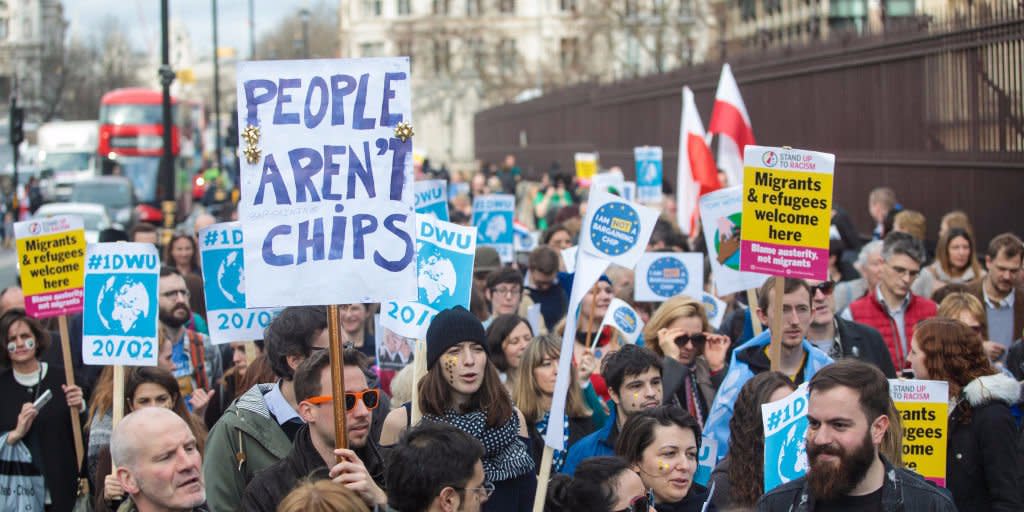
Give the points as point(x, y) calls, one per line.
point(141, 19)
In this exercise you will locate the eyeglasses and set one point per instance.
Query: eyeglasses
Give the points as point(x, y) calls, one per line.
point(638, 504)
point(484, 492)
point(370, 398)
point(825, 287)
point(698, 340)
point(170, 294)
point(511, 291)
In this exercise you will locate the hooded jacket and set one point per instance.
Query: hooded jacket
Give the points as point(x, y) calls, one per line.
point(747, 361)
point(244, 441)
point(983, 466)
point(902, 491)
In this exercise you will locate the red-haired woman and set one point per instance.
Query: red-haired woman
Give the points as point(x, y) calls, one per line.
point(983, 466)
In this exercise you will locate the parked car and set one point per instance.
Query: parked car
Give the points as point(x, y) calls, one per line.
point(116, 193)
point(94, 216)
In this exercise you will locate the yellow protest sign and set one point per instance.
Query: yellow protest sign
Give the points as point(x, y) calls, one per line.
point(924, 414)
point(586, 165)
point(51, 253)
point(787, 209)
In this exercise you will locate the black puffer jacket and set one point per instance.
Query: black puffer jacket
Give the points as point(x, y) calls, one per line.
point(902, 491)
point(983, 465)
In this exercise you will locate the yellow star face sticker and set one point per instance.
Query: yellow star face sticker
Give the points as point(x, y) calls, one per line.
point(252, 154)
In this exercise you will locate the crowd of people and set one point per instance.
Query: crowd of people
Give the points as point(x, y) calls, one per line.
point(251, 426)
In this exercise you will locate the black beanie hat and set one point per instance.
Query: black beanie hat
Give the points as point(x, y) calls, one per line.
point(451, 327)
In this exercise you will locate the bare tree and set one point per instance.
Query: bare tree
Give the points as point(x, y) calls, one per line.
point(286, 39)
point(94, 66)
point(643, 36)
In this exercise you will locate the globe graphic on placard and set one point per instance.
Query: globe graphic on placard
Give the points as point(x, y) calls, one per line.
point(650, 172)
point(123, 300)
point(732, 224)
point(437, 278)
point(231, 279)
point(495, 227)
point(793, 460)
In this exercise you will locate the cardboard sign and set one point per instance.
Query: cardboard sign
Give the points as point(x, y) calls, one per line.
point(611, 182)
point(616, 230)
point(444, 262)
point(721, 219)
point(706, 460)
point(326, 182)
point(662, 275)
point(492, 217)
point(785, 429)
point(586, 165)
point(787, 210)
point(52, 256)
point(120, 324)
point(648, 174)
point(432, 199)
point(714, 308)
point(394, 351)
point(525, 240)
point(569, 258)
point(624, 319)
point(220, 247)
point(924, 413)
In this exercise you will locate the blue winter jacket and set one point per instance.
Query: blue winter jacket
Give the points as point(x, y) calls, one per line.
point(596, 444)
point(740, 371)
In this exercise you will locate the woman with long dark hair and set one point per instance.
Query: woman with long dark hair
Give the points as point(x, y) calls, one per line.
point(983, 466)
point(600, 484)
point(956, 262)
point(462, 388)
point(739, 477)
point(182, 254)
point(145, 386)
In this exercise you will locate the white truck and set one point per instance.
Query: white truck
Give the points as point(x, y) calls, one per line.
point(68, 149)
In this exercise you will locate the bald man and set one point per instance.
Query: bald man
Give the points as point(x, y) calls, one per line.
point(204, 220)
point(158, 463)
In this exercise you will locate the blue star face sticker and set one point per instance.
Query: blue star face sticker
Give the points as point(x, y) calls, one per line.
point(615, 228)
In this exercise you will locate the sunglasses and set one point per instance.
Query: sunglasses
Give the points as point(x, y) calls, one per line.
point(698, 340)
point(826, 288)
point(638, 504)
point(370, 398)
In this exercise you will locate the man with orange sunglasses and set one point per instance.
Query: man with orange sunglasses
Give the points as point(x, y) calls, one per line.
point(313, 454)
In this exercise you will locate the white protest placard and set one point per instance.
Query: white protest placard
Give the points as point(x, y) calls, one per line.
point(714, 308)
point(624, 319)
point(569, 258)
point(119, 321)
point(611, 182)
point(660, 276)
point(220, 247)
point(326, 182)
point(706, 460)
point(409, 319)
point(394, 351)
point(525, 240)
point(432, 198)
point(444, 261)
point(785, 426)
point(615, 229)
point(648, 161)
point(720, 216)
point(492, 217)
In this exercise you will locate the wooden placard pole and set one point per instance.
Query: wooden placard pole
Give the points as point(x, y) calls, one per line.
point(337, 377)
point(419, 370)
point(117, 406)
point(542, 479)
point(775, 349)
point(752, 305)
point(69, 378)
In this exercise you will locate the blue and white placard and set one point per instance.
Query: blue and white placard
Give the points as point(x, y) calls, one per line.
point(611, 182)
point(492, 216)
point(720, 217)
point(408, 319)
point(525, 240)
point(616, 230)
point(785, 426)
point(444, 259)
point(432, 198)
point(326, 183)
point(220, 247)
point(714, 308)
point(120, 317)
point(629, 191)
point(706, 460)
point(662, 275)
point(648, 174)
point(624, 319)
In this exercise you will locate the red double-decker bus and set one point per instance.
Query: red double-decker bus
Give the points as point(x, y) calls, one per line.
point(131, 136)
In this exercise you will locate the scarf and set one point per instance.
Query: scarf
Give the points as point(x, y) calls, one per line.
point(505, 456)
